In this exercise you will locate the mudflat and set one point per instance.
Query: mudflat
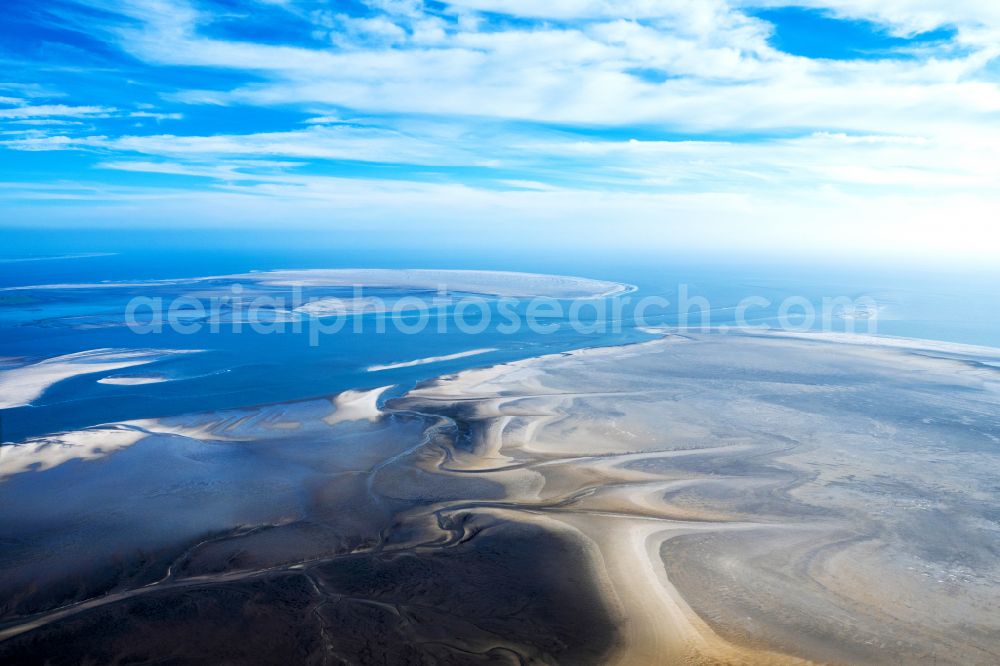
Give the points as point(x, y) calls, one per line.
point(706, 499)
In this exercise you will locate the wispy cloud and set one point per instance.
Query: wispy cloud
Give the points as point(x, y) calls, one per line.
point(575, 112)
point(58, 110)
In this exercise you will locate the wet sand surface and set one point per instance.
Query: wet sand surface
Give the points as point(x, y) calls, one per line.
point(708, 499)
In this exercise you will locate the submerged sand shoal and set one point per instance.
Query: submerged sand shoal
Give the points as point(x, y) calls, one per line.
point(706, 499)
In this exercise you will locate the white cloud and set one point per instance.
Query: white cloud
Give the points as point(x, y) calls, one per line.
point(323, 142)
point(156, 116)
point(906, 17)
point(703, 13)
point(60, 110)
point(716, 71)
point(903, 17)
point(872, 149)
point(956, 160)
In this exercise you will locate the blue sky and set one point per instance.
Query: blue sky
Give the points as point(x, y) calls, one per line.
point(831, 126)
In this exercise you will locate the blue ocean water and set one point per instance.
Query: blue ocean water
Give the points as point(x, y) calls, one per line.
point(246, 368)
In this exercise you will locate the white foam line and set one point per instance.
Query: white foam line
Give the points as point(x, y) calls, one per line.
point(430, 359)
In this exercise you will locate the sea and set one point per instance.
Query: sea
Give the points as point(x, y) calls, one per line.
point(46, 314)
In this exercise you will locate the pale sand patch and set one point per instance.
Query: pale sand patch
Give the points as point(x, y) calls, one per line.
point(20, 386)
point(196, 429)
point(330, 307)
point(356, 406)
point(42, 453)
point(487, 283)
point(740, 432)
point(255, 423)
point(240, 425)
point(132, 380)
point(430, 359)
point(659, 626)
point(869, 340)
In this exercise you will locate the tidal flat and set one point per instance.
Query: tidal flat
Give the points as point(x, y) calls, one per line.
point(706, 499)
